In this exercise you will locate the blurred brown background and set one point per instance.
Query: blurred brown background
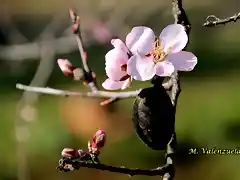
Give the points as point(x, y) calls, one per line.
point(33, 131)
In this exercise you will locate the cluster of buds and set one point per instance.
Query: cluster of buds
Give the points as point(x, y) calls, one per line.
point(75, 153)
point(93, 147)
point(97, 143)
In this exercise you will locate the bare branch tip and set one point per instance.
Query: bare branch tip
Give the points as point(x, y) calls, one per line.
point(217, 21)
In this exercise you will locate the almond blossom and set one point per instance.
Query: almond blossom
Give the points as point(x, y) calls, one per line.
point(116, 67)
point(158, 56)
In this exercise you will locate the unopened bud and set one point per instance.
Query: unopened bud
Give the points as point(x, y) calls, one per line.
point(69, 152)
point(99, 139)
point(82, 153)
point(66, 66)
point(98, 142)
point(78, 74)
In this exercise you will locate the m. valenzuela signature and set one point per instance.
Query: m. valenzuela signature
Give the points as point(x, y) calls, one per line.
point(213, 151)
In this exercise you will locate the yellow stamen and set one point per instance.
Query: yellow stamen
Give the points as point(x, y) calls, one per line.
point(158, 53)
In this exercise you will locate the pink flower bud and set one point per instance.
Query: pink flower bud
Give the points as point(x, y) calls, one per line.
point(82, 153)
point(69, 152)
point(99, 139)
point(66, 67)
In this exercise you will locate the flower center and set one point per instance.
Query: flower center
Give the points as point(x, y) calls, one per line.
point(158, 53)
point(124, 69)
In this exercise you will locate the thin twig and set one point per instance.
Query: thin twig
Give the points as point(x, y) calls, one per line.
point(167, 171)
point(77, 31)
point(217, 21)
point(89, 76)
point(97, 94)
point(123, 170)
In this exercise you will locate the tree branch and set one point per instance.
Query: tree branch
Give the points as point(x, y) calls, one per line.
point(74, 163)
point(217, 21)
point(95, 94)
point(180, 18)
point(89, 77)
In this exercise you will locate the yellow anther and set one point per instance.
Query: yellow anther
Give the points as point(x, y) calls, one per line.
point(158, 53)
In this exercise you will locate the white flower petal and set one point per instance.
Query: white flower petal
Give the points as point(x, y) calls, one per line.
point(183, 60)
point(109, 84)
point(140, 40)
point(118, 43)
point(174, 36)
point(115, 58)
point(164, 69)
point(141, 68)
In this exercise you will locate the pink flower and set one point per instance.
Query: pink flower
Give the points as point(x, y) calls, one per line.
point(116, 67)
point(161, 56)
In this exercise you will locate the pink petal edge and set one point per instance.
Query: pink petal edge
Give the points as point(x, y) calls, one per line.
point(183, 60)
point(140, 40)
point(109, 84)
point(173, 36)
point(164, 69)
point(140, 68)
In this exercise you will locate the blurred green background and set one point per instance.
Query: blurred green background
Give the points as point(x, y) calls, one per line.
point(208, 113)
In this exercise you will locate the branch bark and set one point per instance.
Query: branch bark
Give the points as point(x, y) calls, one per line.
point(123, 170)
point(180, 18)
point(217, 21)
point(70, 164)
point(95, 94)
